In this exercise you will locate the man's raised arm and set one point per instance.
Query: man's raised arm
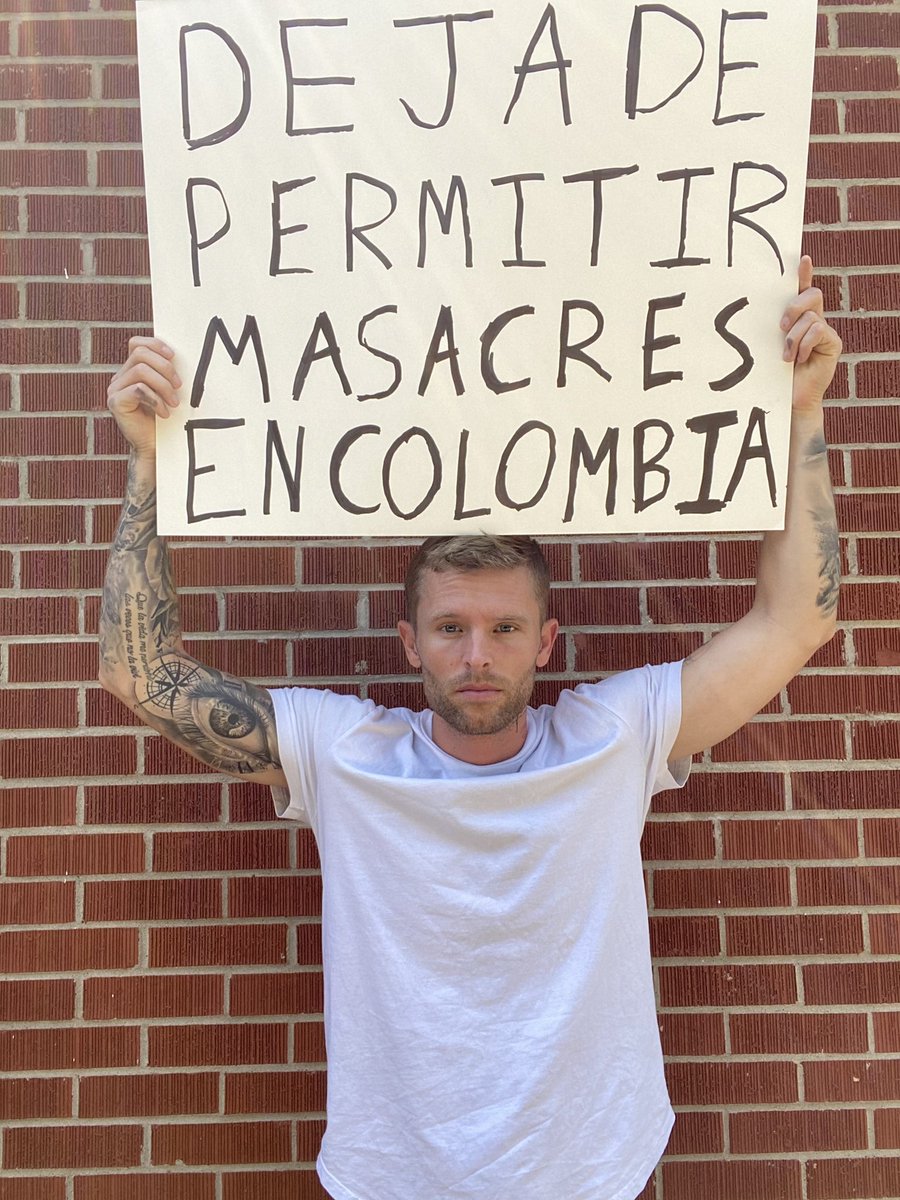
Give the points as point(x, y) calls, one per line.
point(733, 676)
point(225, 722)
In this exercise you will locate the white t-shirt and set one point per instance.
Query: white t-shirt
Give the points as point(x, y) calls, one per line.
point(489, 1008)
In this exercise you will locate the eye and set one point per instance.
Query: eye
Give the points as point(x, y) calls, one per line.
point(506, 627)
point(449, 628)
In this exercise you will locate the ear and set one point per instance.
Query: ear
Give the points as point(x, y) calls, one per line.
point(408, 638)
point(549, 631)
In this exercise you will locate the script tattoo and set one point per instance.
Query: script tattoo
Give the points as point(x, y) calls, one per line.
point(826, 531)
point(228, 724)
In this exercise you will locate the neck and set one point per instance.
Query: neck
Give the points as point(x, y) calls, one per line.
point(480, 749)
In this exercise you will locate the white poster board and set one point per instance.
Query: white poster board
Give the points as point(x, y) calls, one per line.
point(517, 268)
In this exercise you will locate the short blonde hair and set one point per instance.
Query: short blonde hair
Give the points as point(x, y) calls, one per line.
point(479, 552)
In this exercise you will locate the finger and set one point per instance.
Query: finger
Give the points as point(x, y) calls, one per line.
point(798, 331)
point(806, 272)
point(138, 397)
point(144, 375)
point(810, 300)
point(154, 343)
point(821, 338)
point(146, 357)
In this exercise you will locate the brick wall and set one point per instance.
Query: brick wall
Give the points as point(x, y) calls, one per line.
point(160, 991)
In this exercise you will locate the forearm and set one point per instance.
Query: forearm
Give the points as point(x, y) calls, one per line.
point(225, 722)
point(799, 566)
point(140, 615)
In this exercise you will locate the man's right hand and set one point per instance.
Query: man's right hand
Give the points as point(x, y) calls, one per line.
point(144, 388)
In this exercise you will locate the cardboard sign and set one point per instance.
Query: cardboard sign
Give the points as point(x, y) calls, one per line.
point(517, 268)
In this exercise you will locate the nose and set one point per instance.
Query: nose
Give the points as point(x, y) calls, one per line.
point(477, 652)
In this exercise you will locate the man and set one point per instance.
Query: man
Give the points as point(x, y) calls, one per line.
point(489, 1003)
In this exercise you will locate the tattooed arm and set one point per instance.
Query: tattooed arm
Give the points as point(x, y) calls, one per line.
point(732, 677)
point(225, 722)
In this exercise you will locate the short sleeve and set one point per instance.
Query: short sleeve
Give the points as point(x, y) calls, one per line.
point(307, 722)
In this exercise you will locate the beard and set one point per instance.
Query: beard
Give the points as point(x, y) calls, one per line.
point(479, 718)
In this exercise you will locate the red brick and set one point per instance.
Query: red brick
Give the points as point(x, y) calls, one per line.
point(840, 1178)
point(198, 612)
point(68, 950)
point(79, 39)
point(355, 564)
point(88, 302)
point(38, 708)
point(152, 804)
point(104, 711)
point(159, 1186)
point(218, 945)
point(792, 936)
point(9, 483)
point(66, 6)
point(86, 214)
point(30, 436)
point(267, 896)
point(73, 1146)
point(235, 566)
point(142, 996)
point(256, 659)
point(789, 1132)
point(873, 116)
point(308, 940)
point(287, 993)
point(726, 986)
point(853, 1081)
point(28, 1000)
point(882, 838)
point(347, 656)
point(120, 168)
point(37, 903)
point(19, 346)
point(152, 900)
point(642, 561)
point(887, 1032)
point(622, 651)
point(47, 1049)
point(694, 1133)
point(822, 206)
point(53, 662)
point(122, 256)
point(723, 792)
point(297, 1184)
point(222, 850)
point(732, 1083)
point(38, 1187)
point(291, 611)
point(252, 1092)
point(85, 478)
point(63, 391)
point(691, 1034)
point(68, 757)
point(720, 887)
point(135, 1095)
point(75, 854)
point(73, 125)
point(878, 647)
point(845, 694)
point(877, 555)
point(120, 81)
point(223, 1142)
point(872, 335)
point(9, 305)
point(865, 30)
point(852, 983)
point(885, 932)
point(874, 380)
point(162, 757)
point(211, 1045)
point(684, 937)
point(309, 1042)
point(50, 81)
point(844, 887)
point(875, 468)
point(873, 204)
point(782, 741)
point(62, 570)
point(47, 807)
point(877, 740)
point(42, 256)
point(852, 73)
point(43, 168)
point(795, 839)
point(798, 1033)
point(691, 605)
point(110, 345)
point(9, 214)
point(824, 117)
point(32, 1099)
point(759, 1180)
point(678, 841)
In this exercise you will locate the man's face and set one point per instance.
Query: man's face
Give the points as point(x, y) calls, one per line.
point(478, 638)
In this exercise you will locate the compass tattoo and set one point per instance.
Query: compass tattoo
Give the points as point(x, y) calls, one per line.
point(225, 722)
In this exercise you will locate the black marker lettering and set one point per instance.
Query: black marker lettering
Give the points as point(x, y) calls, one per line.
point(643, 466)
point(443, 329)
point(278, 232)
point(558, 63)
point(740, 373)
point(738, 216)
point(231, 128)
point(635, 44)
point(290, 474)
point(652, 343)
point(500, 487)
point(756, 424)
point(449, 23)
point(196, 244)
point(687, 175)
point(293, 81)
point(725, 67)
point(359, 231)
point(517, 181)
point(398, 369)
point(437, 473)
point(490, 335)
point(597, 178)
point(444, 215)
point(216, 331)
point(322, 328)
point(337, 461)
point(577, 352)
point(190, 429)
point(582, 455)
point(460, 513)
point(710, 425)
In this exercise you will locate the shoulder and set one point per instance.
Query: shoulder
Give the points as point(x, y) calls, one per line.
point(628, 697)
